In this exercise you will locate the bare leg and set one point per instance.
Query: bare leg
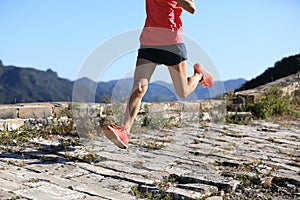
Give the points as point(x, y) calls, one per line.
point(183, 85)
point(143, 72)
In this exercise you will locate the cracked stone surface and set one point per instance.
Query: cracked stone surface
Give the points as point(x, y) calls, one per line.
point(195, 161)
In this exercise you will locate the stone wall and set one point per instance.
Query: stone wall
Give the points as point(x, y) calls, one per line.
point(14, 116)
point(35, 115)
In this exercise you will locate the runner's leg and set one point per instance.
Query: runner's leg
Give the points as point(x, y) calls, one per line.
point(183, 85)
point(142, 75)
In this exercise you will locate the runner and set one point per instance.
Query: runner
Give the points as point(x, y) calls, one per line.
point(161, 42)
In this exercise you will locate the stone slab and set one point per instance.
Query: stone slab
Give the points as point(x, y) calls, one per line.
point(191, 107)
point(7, 195)
point(11, 124)
point(47, 191)
point(8, 112)
point(35, 111)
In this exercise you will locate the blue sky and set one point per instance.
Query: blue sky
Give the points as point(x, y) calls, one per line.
point(242, 37)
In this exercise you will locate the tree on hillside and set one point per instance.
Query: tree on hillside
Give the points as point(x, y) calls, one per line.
point(285, 67)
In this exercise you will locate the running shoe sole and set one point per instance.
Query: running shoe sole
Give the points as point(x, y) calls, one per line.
point(109, 133)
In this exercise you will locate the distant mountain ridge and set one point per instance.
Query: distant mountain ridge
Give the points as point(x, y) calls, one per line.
point(20, 85)
point(29, 85)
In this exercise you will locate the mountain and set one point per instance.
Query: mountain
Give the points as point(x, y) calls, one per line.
point(160, 91)
point(285, 67)
point(18, 85)
point(31, 85)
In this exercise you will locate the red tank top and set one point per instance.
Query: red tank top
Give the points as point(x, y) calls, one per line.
point(163, 25)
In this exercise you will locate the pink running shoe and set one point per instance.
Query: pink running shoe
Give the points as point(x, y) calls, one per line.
point(207, 79)
point(118, 135)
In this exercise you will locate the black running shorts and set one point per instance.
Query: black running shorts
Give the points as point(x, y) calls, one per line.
point(166, 54)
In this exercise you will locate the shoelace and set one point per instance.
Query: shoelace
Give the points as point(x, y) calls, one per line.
point(119, 127)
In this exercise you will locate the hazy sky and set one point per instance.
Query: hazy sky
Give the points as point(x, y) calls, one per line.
point(242, 37)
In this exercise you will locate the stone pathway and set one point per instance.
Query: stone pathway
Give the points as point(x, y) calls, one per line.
point(208, 161)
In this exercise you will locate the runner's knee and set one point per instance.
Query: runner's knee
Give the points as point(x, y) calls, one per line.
point(141, 86)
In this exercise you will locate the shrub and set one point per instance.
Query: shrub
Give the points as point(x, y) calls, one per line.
point(270, 104)
point(296, 98)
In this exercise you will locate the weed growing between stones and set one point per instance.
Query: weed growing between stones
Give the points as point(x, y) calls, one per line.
point(157, 122)
point(14, 138)
point(238, 118)
point(157, 191)
point(150, 192)
point(158, 119)
point(136, 192)
point(257, 181)
point(68, 111)
point(155, 143)
point(114, 113)
point(18, 140)
point(138, 164)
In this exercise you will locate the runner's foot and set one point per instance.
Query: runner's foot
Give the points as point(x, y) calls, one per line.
point(118, 135)
point(207, 79)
